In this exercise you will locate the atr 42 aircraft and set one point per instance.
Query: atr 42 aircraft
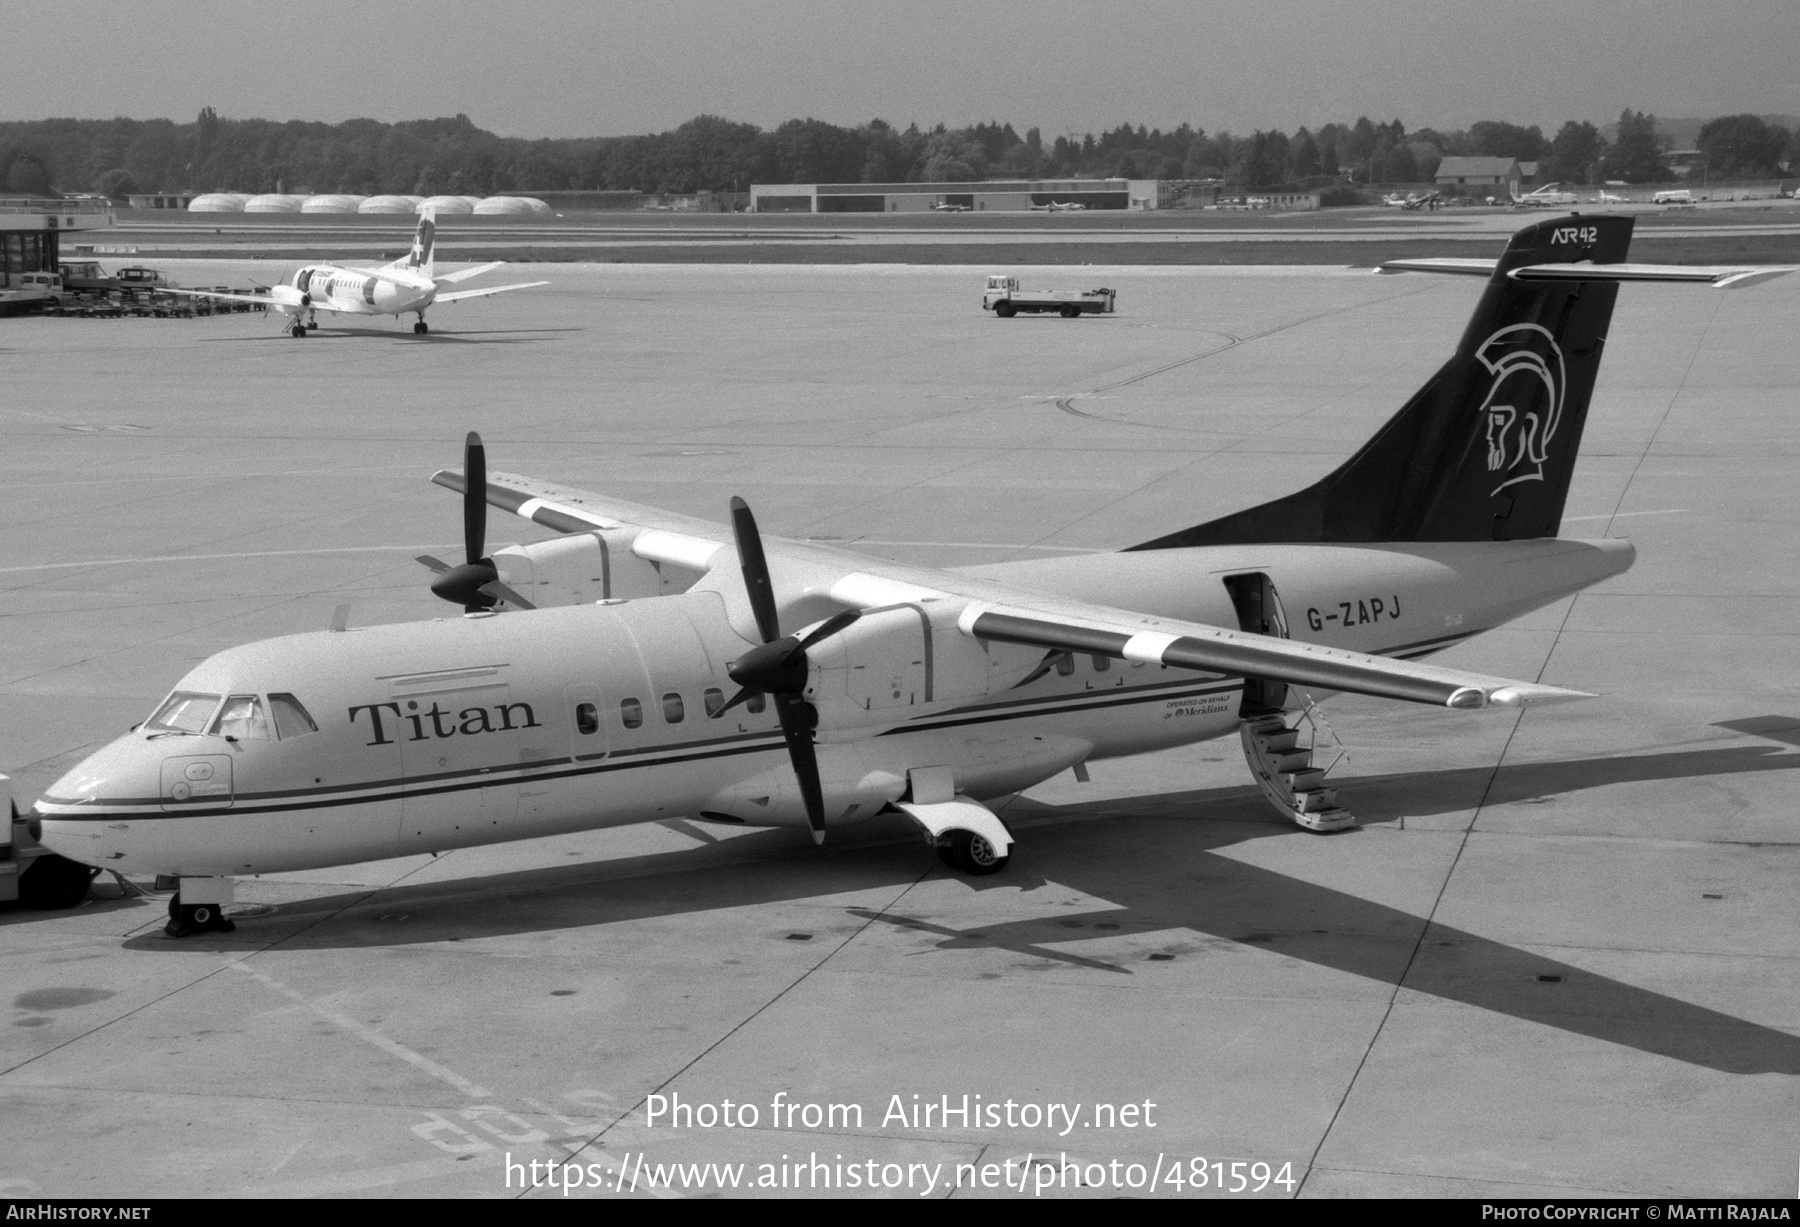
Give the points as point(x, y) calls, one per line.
point(662, 665)
point(407, 286)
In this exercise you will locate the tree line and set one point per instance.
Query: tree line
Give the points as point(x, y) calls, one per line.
point(430, 156)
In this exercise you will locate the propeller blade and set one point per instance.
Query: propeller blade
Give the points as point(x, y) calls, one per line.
point(796, 726)
point(756, 570)
point(437, 566)
point(828, 628)
point(739, 697)
point(474, 498)
point(500, 591)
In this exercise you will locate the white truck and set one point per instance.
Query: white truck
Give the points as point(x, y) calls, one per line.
point(30, 873)
point(1005, 299)
point(32, 292)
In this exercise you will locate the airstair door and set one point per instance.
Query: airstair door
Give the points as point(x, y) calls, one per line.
point(1259, 611)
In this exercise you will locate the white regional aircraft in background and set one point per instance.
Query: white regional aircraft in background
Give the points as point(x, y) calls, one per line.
point(664, 665)
point(407, 286)
point(1546, 197)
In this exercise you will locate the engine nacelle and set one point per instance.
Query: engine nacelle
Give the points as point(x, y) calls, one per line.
point(895, 664)
point(586, 567)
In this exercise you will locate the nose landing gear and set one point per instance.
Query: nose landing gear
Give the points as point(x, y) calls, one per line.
point(186, 919)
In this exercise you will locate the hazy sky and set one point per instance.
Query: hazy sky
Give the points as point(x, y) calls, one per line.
point(577, 68)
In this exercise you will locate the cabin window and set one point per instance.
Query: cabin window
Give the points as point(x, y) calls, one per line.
point(714, 698)
point(291, 719)
point(672, 709)
point(184, 712)
point(242, 718)
point(756, 703)
point(1102, 664)
point(587, 719)
point(1065, 664)
point(631, 712)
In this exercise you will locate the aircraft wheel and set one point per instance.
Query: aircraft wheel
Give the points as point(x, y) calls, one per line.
point(967, 852)
point(198, 918)
point(311, 324)
point(420, 328)
point(297, 331)
point(54, 883)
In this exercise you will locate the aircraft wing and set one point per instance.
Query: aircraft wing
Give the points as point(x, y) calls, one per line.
point(463, 274)
point(1123, 635)
point(459, 295)
point(261, 298)
point(1001, 613)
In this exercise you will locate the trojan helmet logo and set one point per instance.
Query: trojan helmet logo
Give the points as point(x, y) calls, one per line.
point(1524, 404)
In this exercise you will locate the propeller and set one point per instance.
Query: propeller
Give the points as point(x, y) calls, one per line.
point(779, 667)
point(475, 585)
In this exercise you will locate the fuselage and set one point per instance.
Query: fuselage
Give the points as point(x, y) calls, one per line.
point(338, 747)
point(360, 292)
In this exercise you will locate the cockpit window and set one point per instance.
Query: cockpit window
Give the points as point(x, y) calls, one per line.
point(185, 711)
point(291, 719)
point(242, 718)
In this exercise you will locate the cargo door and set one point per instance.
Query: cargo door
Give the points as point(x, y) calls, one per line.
point(459, 756)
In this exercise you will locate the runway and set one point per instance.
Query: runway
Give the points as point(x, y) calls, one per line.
point(1558, 958)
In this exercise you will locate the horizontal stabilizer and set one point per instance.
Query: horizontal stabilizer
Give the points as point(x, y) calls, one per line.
point(1720, 277)
point(459, 295)
point(463, 274)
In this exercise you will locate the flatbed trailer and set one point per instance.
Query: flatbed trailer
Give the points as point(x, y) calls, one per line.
point(1005, 299)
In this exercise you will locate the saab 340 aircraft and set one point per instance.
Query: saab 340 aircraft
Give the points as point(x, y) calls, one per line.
point(407, 286)
point(663, 665)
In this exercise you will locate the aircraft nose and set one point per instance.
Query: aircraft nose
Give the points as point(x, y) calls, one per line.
point(86, 815)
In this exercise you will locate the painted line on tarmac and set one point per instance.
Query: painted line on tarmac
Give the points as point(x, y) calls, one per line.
point(365, 1032)
point(116, 562)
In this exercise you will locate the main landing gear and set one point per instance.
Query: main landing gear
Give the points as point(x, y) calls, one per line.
point(298, 331)
point(967, 852)
point(421, 328)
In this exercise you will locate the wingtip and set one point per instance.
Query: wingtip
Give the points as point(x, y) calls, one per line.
point(1536, 696)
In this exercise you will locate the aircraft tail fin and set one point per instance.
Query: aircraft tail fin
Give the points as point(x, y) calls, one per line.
point(419, 260)
point(1486, 449)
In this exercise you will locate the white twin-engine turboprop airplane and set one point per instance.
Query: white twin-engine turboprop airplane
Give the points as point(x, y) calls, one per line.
point(407, 286)
point(663, 665)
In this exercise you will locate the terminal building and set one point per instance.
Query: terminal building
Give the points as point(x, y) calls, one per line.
point(31, 230)
point(1008, 195)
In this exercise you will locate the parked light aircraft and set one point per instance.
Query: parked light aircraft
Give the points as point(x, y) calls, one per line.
point(1546, 197)
point(1606, 197)
point(1059, 206)
point(645, 664)
point(945, 207)
point(407, 286)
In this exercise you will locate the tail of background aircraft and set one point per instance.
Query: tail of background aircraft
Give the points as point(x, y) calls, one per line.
point(1486, 449)
point(419, 259)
